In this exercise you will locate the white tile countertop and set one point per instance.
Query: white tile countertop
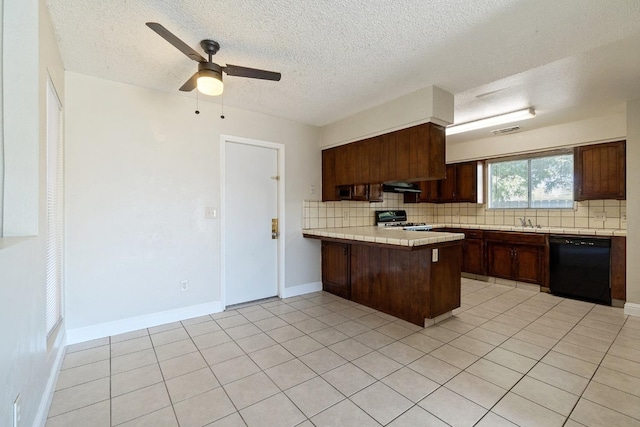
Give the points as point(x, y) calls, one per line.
point(420, 238)
point(542, 230)
point(375, 234)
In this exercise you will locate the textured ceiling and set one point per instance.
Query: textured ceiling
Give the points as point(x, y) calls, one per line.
point(568, 59)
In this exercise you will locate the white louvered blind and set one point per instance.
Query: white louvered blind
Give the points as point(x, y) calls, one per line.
point(54, 210)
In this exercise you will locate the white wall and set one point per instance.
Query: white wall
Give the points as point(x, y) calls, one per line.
point(26, 364)
point(20, 72)
point(606, 128)
point(140, 169)
point(633, 207)
point(430, 104)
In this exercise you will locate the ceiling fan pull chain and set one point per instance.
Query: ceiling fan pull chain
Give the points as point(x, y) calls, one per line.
point(222, 107)
point(197, 103)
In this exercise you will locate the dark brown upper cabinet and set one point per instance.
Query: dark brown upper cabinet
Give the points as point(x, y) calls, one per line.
point(412, 154)
point(329, 175)
point(599, 171)
point(463, 183)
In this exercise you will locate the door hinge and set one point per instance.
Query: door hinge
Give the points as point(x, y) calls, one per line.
point(274, 228)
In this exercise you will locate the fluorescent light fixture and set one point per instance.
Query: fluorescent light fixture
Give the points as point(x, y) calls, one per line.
point(514, 116)
point(210, 83)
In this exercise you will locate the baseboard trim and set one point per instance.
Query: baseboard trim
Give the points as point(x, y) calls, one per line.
point(50, 388)
point(632, 309)
point(306, 288)
point(116, 327)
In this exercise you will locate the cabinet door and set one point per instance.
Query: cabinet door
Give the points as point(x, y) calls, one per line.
point(419, 144)
point(528, 264)
point(375, 193)
point(599, 171)
point(618, 268)
point(335, 269)
point(345, 161)
point(473, 256)
point(360, 192)
point(419, 153)
point(402, 154)
point(329, 175)
point(361, 172)
point(447, 186)
point(500, 260)
point(467, 182)
point(378, 159)
point(429, 191)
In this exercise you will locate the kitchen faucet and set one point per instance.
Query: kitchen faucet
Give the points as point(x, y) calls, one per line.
point(530, 225)
point(523, 221)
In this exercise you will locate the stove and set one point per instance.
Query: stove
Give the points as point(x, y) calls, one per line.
point(395, 220)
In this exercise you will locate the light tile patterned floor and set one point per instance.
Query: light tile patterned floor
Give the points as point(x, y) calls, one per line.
point(508, 357)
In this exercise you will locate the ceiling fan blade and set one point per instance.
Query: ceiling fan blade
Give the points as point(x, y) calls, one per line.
point(190, 84)
point(176, 42)
point(252, 73)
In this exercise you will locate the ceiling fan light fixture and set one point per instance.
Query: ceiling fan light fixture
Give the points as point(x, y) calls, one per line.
point(210, 82)
point(514, 116)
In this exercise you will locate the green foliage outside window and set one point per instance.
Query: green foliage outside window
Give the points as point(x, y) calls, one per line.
point(538, 182)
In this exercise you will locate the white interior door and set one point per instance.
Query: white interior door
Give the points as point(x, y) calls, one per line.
point(251, 201)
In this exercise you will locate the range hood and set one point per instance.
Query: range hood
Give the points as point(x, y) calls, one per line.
point(400, 187)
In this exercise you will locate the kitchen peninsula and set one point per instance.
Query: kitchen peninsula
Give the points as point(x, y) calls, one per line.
point(411, 275)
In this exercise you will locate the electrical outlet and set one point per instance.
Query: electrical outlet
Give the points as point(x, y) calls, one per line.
point(600, 215)
point(345, 214)
point(623, 218)
point(184, 285)
point(17, 404)
point(312, 189)
point(210, 213)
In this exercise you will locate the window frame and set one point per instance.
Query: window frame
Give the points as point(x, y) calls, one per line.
point(528, 157)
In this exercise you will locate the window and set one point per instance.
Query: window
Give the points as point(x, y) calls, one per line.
point(54, 211)
point(537, 182)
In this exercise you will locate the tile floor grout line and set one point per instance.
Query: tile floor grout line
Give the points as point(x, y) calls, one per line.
point(337, 309)
point(164, 381)
point(199, 351)
point(530, 369)
point(596, 370)
point(523, 376)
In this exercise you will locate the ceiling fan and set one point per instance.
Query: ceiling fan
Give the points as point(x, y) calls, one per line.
point(208, 78)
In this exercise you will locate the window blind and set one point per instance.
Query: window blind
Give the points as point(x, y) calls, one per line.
point(54, 245)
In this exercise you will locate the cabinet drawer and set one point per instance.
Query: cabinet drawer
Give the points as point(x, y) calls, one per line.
point(472, 234)
point(515, 237)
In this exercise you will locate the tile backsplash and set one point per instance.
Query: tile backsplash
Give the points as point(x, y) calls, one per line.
point(593, 214)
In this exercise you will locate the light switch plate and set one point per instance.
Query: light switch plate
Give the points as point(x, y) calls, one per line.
point(210, 213)
point(434, 255)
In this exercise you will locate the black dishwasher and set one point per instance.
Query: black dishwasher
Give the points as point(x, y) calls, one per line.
point(580, 268)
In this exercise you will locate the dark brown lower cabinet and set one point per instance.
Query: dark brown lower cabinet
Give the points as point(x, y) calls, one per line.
point(335, 268)
point(517, 256)
point(473, 256)
point(401, 282)
point(473, 259)
point(406, 284)
point(619, 268)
